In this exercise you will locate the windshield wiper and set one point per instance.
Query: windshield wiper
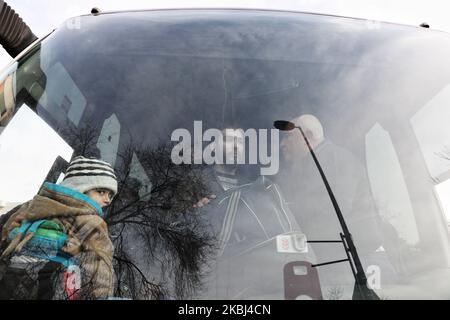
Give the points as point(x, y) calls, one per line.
point(361, 291)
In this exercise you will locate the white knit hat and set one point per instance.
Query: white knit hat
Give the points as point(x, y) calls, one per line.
point(84, 174)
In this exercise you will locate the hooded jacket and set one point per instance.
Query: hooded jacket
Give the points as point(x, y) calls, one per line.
point(87, 241)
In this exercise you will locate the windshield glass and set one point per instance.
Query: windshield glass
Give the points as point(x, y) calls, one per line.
point(215, 202)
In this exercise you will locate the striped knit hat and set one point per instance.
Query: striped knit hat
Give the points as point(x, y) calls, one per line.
point(84, 174)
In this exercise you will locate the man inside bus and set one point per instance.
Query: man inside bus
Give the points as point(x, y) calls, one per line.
point(309, 200)
point(247, 217)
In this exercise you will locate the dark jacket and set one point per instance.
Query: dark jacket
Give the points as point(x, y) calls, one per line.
point(247, 221)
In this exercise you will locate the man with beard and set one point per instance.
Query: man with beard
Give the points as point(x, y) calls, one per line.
point(249, 219)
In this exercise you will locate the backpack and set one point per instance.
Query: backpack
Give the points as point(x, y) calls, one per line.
point(39, 270)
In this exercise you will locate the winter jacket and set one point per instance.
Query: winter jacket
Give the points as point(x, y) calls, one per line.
point(88, 241)
point(248, 221)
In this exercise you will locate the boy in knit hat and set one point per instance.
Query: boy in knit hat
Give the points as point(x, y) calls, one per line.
point(73, 208)
point(93, 177)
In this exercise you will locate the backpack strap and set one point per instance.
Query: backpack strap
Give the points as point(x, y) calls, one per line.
point(65, 261)
point(15, 236)
point(35, 225)
point(30, 229)
point(30, 232)
point(24, 227)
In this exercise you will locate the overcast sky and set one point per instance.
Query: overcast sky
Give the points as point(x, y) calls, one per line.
point(45, 15)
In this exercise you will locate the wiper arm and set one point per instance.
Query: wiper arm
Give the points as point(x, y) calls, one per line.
point(361, 291)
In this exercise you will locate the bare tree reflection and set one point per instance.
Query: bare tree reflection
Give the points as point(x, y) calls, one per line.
point(160, 243)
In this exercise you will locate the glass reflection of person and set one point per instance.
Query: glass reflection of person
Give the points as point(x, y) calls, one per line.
point(76, 205)
point(247, 216)
point(306, 192)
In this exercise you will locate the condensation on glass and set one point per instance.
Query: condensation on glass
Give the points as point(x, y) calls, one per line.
point(121, 84)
